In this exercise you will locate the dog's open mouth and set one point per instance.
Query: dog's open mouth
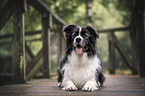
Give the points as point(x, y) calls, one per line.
point(79, 49)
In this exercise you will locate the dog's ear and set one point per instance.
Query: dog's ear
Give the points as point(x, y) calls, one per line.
point(69, 28)
point(92, 31)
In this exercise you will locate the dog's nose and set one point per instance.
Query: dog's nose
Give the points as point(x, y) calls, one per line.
point(78, 40)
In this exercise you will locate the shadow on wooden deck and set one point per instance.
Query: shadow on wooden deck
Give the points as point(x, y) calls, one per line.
point(115, 85)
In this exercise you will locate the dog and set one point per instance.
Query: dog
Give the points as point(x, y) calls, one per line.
point(80, 69)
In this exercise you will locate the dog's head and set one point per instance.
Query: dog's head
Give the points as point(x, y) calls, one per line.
point(80, 39)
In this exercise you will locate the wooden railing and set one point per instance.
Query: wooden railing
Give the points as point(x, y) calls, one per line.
point(114, 43)
point(43, 56)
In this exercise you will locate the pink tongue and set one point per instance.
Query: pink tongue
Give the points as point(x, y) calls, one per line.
point(79, 50)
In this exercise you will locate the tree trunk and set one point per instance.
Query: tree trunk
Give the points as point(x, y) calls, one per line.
point(89, 12)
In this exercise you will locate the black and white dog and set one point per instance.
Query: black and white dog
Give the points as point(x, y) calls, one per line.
point(80, 67)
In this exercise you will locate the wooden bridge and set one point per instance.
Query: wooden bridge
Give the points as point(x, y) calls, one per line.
point(22, 71)
point(114, 86)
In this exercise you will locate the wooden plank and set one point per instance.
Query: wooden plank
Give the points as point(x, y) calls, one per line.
point(141, 37)
point(42, 7)
point(123, 29)
point(49, 42)
point(111, 53)
point(5, 13)
point(24, 6)
point(137, 34)
point(35, 69)
point(33, 62)
point(24, 52)
point(18, 48)
point(5, 78)
point(124, 54)
point(29, 33)
point(115, 85)
point(60, 42)
point(46, 44)
point(29, 51)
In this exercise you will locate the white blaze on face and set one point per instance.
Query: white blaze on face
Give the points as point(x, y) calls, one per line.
point(79, 36)
point(80, 29)
point(79, 50)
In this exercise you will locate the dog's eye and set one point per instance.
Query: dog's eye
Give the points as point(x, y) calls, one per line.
point(73, 35)
point(86, 35)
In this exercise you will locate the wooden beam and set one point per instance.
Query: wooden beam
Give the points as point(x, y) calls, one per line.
point(43, 7)
point(33, 62)
point(123, 29)
point(29, 51)
point(34, 69)
point(46, 24)
point(5, 13)
point(34, 65)
point(138, 27)
point(29, 33)
point(49, 42)
point(60, 42)
point(18, 46)
point(24, 6)
point(111, 53)
point(124, 54)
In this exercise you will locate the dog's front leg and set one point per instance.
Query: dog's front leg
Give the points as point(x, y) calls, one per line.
point(90, 86)
point(69, 85)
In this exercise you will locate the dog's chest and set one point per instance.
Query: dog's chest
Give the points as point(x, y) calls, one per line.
point(79, 75)
point(80, 69)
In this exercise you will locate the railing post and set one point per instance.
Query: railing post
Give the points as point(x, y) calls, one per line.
point(111, 53)
point(46, 22)
point(18, 43)
point(60, 34)
point(49, 38)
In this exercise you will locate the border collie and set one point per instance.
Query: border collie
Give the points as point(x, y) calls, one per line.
point(80, 68)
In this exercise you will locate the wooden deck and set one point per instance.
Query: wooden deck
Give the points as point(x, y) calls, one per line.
point(114, 86)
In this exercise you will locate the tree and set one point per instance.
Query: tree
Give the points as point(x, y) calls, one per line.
point(89, 12)
point(65, 9)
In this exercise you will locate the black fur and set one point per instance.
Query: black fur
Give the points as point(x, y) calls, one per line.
point(90, 48)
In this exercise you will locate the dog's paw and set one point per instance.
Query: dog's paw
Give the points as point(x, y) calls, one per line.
point(69, 86)
point(90, 86)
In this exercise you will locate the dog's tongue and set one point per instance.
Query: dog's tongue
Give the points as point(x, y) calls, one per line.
point(79, 50)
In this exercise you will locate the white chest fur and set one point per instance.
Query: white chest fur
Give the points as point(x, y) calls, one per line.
point(80, 69)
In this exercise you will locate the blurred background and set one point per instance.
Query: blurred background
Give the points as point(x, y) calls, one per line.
point(106, 14)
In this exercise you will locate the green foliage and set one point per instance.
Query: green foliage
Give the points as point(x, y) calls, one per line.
point(102, 45)
point(32, 19)
point(64, 8)
point(8, 28)
point(124, 7)
point(102, 18)
point(106, 14)
point(123, 37)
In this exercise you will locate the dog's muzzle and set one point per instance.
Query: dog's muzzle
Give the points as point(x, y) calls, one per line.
point(79, 45)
